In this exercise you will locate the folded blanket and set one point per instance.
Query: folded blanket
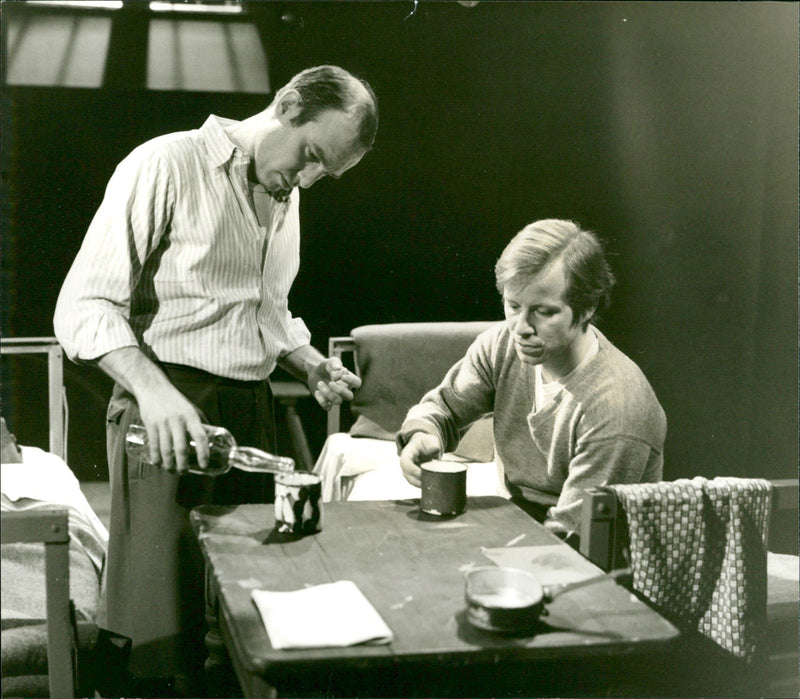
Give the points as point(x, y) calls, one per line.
point(102, 658)
point(699, 553)
point(41, 482)
point(22, 589)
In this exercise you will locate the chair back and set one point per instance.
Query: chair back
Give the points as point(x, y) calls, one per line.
point(783, 528)
point(398, 363)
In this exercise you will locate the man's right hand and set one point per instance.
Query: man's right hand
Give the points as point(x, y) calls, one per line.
point(171, 420)
point(421, 447)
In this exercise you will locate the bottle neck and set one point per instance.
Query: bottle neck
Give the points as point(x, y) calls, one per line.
point(260, 461)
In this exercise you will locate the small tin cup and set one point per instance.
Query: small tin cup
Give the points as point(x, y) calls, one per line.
point(444, 488)
point(298, 503)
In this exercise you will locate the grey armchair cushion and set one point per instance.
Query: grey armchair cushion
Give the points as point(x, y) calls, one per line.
point(399, 363)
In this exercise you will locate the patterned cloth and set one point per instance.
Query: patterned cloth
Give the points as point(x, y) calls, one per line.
point(699, 553)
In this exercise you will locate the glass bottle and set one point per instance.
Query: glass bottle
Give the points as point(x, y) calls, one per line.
point(224, 453)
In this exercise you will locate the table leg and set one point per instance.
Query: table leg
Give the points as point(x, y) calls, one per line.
point(217, 655)
point(220, 678)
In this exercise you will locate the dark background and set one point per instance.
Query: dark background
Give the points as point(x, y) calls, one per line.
point(668, 128)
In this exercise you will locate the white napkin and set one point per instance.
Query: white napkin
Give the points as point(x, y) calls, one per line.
point(333, 614)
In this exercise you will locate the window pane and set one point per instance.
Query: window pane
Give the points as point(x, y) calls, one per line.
point(63, 51)
point(205, 55)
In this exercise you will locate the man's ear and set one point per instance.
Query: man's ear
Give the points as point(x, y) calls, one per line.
point(588, 316)
point(289, 106)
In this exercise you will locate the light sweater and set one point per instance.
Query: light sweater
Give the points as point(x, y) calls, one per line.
point(604, 426)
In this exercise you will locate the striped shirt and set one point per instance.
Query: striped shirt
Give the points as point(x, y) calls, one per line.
point(177, 262)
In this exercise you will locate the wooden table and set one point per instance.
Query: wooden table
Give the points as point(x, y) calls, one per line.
point(412, 571)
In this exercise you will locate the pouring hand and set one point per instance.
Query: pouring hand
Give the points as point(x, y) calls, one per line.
point(171, 422)
point(165, 412)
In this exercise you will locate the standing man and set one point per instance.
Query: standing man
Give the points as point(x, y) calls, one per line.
point(180, 294)
point(570, 410)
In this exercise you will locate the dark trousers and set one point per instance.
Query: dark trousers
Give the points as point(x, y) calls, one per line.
point(154, 590)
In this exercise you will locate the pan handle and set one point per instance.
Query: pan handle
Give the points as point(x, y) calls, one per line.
point(551, 592)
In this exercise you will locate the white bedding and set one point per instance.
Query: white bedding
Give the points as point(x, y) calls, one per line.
point(361, 468)
point(44, 481)
point(46, 477)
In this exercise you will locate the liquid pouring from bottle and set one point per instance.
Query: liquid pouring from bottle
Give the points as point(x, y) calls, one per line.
point(224, 453)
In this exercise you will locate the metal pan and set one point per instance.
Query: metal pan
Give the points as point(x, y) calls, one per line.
point(507, 600)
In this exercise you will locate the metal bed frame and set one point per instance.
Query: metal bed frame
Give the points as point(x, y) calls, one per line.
point(50, 527)
point(55, 380)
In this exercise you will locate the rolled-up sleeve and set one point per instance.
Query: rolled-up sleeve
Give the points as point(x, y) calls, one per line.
point(93, 308)
point(297, 332)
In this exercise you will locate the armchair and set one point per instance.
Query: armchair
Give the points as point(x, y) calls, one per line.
point(398, 363)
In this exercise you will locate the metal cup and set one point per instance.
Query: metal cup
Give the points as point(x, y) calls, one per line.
point(298, 503)
point(444, 488)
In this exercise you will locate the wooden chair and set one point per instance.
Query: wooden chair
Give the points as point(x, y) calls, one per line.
point(603, 541)
point(398, 363)
point(287, 392)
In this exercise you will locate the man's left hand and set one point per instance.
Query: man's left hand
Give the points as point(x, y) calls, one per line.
point(331, 383)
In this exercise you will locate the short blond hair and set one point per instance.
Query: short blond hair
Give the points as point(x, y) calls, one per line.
point(539, 244)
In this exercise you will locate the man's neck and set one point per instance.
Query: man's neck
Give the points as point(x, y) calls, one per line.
point(565, 364)
point(244, 133)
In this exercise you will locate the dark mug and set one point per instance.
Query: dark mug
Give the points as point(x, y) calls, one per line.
point(298, 503)
point(444, 488)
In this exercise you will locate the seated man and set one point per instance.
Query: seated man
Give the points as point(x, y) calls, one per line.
point(570, 410)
